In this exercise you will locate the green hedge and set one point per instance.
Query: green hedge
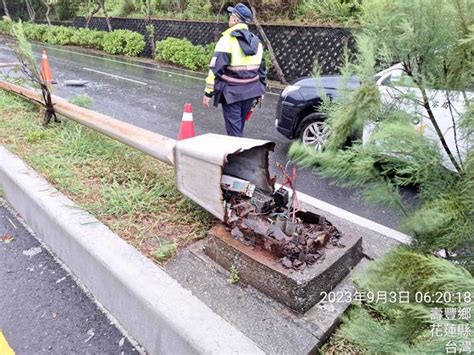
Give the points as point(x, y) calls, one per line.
point(183, 53)
point(123, 42)
point(116, 42)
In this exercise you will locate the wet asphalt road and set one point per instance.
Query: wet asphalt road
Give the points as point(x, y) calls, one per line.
point(42, 309)
point(152, 97)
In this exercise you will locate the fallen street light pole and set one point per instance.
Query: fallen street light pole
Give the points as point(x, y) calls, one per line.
point(200, 162)
point(153, 144)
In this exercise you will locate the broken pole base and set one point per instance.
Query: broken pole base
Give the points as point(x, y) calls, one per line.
point(299, 290)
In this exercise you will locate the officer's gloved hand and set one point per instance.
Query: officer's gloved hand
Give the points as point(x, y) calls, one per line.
point(260, 100)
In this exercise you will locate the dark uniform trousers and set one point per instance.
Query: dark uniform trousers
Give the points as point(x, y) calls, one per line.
point(234, 116)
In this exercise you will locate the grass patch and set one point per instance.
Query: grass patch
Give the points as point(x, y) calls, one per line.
point(82, 100)
point(337, 344)
point(234, 275)
point(135, 195)
point(165, 251)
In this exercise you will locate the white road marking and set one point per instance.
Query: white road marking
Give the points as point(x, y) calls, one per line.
point(32, 251)
point(132, 64)
point(115, 76)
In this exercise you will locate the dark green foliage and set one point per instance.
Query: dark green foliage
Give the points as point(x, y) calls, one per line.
point(394, 327)
point(127, 7)
point(18, 9)
point(123, 42)
point(182, 52)
point(116, 42)
point(331, 10)
point(65, 10)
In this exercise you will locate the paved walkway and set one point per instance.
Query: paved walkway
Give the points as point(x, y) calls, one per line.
point(42, 309)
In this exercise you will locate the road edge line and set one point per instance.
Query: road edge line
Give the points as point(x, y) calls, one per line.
point(154, 308)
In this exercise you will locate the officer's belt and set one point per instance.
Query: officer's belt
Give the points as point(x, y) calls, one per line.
point(232, 80)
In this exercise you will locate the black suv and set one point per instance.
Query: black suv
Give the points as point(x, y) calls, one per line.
point(298, 114)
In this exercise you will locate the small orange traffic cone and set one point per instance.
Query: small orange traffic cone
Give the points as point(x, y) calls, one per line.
point(186, 129)
point(46, 74)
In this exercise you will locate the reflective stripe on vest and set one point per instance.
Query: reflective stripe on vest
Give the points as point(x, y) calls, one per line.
point(243, 67)
point(232, 80)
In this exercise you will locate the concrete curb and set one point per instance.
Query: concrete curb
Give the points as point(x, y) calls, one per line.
point(160, 314)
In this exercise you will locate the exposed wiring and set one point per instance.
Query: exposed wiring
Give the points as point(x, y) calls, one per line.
point(290, 181)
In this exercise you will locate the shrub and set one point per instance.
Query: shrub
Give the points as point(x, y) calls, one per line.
point(116, 42)
point(88, 38)
point(183, 53)
point(5, 26)
point(35, 32)
point(123, 42)
point(58, 35)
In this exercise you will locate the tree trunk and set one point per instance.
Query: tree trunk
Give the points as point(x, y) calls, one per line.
point(148, 11)
point(94, 11)
point(426, 105)
point(48, 9)
point(31, 10)
point(5, 8)
point(107, 19)
point(216, 26)
point(279, 72)
point(150, 29)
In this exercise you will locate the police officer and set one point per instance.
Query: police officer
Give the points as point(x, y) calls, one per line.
point(237, 71)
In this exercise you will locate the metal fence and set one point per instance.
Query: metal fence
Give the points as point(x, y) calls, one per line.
point(296, 47)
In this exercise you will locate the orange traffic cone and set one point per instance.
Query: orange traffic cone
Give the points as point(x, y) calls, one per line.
point(46, 74)
point(186, 130)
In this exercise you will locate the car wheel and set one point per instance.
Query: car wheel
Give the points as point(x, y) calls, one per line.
point(315, 131)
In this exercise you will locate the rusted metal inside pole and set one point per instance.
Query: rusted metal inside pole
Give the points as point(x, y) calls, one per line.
point(153, 144)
